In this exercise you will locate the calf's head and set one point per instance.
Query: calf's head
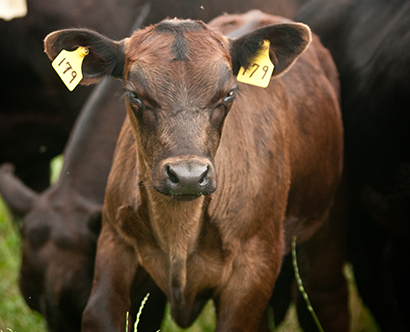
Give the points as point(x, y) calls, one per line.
point(180, 85)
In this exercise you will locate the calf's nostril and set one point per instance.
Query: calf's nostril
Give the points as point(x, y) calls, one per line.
point(172, 176)
point(205, 177)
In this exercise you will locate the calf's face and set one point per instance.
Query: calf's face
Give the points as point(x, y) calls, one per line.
point(180, 85)
point(178, 98)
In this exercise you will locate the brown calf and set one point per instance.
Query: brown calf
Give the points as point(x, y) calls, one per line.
point(211, 177)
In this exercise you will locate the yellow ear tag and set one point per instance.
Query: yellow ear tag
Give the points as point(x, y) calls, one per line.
point(260, 68)
point(68, 66)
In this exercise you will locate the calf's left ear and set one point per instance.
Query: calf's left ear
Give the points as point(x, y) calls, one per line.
point(105, 57)
point(287, 42)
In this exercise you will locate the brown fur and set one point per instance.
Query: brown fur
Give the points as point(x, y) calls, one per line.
point(275, 170)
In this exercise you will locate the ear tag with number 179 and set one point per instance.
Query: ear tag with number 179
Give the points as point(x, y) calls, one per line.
point(68, 66)
point(259, 70)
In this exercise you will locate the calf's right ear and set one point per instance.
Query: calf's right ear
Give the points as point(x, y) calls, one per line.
point(105, 57)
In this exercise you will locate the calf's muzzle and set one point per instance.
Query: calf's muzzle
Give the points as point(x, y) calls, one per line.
point(185, 178)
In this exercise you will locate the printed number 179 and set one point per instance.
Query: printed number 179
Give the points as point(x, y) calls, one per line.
point(69, 67)
point(264, 69)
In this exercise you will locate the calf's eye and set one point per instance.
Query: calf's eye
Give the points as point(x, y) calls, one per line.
point(230, 96)
point(134, 98)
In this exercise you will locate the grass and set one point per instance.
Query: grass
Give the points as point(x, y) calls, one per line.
point(15, 315)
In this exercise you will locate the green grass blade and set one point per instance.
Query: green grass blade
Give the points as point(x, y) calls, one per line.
point(301, 288)
point(140, 312)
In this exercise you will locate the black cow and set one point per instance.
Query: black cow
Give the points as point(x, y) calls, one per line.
point(370, 43)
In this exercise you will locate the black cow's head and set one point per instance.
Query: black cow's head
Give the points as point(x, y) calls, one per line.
point(59, 236)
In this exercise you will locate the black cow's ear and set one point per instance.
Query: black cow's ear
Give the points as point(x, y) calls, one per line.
point(15, 193)
point(105, 57)
point(287, 43)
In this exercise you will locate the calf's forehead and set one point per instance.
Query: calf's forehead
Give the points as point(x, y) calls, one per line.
point(177, 40)
point(177, 57)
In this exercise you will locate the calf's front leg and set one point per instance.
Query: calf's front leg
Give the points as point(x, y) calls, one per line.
point(241, 303)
